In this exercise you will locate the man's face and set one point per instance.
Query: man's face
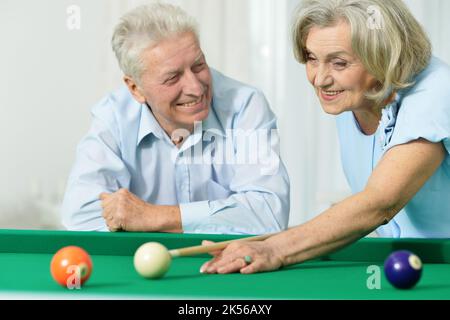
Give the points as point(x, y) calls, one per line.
point(176, 83)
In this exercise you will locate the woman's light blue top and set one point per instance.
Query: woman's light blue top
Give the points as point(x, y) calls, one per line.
point(421, 111)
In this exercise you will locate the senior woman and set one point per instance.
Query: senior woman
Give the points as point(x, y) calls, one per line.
point(392, 102)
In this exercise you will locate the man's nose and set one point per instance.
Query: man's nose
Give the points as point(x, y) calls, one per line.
point(192, 85)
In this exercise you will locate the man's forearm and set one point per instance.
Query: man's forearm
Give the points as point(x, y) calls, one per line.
point(168, 218)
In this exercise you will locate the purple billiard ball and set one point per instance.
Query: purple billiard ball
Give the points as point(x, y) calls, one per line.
point(403, 269)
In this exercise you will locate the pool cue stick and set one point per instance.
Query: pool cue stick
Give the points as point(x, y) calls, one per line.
point(196, 250)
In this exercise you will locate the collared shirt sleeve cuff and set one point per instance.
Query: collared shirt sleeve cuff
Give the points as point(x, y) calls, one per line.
point(193, 213)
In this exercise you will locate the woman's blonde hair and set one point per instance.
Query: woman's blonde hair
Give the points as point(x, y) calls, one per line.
point(386, 37)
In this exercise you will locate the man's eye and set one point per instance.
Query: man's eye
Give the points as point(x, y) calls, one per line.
point(172, 79)
point(198, 67)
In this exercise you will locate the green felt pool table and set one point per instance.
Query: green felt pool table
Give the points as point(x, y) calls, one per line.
point(25, 257)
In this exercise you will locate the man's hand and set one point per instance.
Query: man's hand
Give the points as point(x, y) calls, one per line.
point(122, 210)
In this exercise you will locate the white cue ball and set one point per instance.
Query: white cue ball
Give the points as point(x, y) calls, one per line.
point(152, 260)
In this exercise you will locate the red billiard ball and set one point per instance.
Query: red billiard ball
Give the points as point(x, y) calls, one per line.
point(71, 266)
point(403, 269)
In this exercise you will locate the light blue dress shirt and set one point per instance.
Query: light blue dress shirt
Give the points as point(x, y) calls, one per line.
point(421, 111)
point(220, 181)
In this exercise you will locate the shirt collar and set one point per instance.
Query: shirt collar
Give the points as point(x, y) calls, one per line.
point(148, 124)
point(212, 123)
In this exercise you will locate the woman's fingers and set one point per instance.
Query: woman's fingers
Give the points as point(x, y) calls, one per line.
point(213, 253)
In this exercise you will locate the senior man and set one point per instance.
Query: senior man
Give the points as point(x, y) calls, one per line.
point(181, 147)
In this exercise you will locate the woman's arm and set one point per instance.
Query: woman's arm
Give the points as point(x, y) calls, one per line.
point(400, 174)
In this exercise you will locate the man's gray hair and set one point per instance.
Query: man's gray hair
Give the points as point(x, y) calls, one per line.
point(143, 27)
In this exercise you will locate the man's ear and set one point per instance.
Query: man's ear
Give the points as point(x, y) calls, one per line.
point(134, 89)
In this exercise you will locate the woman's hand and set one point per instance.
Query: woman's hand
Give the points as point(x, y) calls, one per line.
point(243, 257)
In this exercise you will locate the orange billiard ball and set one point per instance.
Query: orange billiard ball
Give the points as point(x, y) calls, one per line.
point(71, 267)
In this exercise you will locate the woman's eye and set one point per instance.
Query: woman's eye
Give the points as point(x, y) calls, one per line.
point(311, 59)
point(339, 64)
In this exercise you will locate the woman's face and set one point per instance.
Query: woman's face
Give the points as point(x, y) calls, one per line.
point(339, 78)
